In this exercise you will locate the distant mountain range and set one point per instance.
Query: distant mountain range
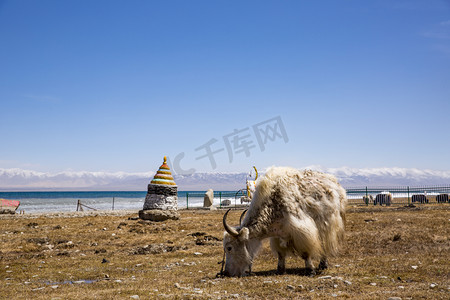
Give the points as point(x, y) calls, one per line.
point(375, 177)
point(18, 179)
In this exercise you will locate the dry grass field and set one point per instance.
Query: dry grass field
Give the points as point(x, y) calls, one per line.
point(389, 252)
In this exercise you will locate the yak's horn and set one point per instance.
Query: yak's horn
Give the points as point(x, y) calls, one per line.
point(242, 216)
point(229, 229)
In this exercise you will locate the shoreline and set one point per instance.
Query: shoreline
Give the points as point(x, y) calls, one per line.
point(103, 213)
point(68, 214)
point(125, 212)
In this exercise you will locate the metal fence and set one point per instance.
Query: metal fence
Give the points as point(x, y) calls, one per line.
point(222, 198)
point(403, 195)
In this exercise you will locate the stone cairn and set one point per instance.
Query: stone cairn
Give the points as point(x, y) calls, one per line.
point(161, 202)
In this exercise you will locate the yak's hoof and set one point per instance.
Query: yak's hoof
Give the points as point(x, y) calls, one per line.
point(310, 272)
point(281, 271)
point(322, 265)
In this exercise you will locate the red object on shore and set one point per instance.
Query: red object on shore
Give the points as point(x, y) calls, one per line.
point(9, 204)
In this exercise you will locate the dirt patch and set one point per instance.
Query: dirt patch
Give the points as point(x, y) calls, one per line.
point(122, 224)
point(148, 227)
point(61, 241)
point(100, 251)
point(197, 234)
point(204, 239)
point(155, 249)
point(39, 241)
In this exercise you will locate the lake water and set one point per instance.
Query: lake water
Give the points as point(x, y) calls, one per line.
point(121, 200)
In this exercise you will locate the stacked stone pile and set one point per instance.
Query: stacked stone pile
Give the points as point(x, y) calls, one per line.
point(161, 202)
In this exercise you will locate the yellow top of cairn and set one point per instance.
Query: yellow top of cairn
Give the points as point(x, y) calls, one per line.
point(163, 175)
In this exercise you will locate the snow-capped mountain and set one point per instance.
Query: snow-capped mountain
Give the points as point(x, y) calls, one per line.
point(373, 177)
point(18, 179)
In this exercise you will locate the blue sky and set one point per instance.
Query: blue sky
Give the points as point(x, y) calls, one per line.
point(116, 85)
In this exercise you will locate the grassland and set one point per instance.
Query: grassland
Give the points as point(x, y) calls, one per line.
point(389, 252)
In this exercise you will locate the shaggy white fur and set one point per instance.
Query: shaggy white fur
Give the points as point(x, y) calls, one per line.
point(303, 212)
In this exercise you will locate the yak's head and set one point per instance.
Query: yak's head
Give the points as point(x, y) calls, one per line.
point(239, 249)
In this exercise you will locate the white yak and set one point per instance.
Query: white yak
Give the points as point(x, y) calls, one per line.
point(302, 212)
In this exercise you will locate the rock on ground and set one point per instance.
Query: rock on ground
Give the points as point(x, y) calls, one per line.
point(159, 215)
point(208, 199)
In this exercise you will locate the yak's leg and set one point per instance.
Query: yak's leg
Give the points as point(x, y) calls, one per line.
point(323, 263)
point(309, 267)
point(281, 267)
point(275, 244)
